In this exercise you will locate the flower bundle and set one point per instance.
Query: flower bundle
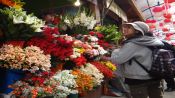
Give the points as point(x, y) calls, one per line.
point(97, 34)
point(94, 72)
point(60, 46)
point(18, 25)
point(30, 58)
point(79, 48)
point(77, 52)
point(110, 65)
point(79, 61)
point(110, 32)
point(63, 47)
point(80, 23)
point(81, 44)
point(34, 85)
point(65, 78)
point(44, 84)
point(83, 80)
point(81, 19)
point(38, 79)
point(95, 50)
point(12, 3)
point(77, 57)
point(106, 71)
point(19, 16)
point(105, 44)
point(25, 90)
point(50, 33)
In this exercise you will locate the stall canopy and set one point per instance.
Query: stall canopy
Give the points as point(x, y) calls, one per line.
point(159, 15)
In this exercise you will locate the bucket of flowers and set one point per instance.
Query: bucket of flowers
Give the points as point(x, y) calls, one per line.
point(46, 85)
point(16, 60)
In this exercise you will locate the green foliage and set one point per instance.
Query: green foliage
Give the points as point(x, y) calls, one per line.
point(19, 2)
point(110, 32)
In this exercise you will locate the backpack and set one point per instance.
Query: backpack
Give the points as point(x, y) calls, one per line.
point(163, 62)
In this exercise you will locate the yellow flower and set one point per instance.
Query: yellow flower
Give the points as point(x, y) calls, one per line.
point(97, 28)
point(110, 65)
point(81, 50)
point(17, 6)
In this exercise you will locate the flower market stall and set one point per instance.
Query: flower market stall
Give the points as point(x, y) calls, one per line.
point(53, 57)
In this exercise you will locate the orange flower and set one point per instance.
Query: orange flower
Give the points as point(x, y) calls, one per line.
point(12, 3)
point(7, 2)
point(84, 81)
point(48, 89)
point(34, 93)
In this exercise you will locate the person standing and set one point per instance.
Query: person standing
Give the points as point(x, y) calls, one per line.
point(135, 46)
point(170, 83)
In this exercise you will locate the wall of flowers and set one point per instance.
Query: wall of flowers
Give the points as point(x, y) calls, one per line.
point(55, 56)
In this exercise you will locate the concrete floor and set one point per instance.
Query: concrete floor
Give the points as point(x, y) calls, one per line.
point(166, 95)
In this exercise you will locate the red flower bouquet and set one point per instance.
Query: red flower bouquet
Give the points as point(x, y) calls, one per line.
point(107, 72)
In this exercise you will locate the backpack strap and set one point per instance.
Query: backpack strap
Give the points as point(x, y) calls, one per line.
point(141, 65)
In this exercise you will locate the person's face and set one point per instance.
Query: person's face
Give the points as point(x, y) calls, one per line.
point(128, 31)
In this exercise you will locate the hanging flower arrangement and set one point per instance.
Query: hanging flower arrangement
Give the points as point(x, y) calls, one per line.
point(167, 15)
point(158, 11)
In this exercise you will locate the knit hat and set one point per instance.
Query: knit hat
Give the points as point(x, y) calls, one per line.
point(140, 26)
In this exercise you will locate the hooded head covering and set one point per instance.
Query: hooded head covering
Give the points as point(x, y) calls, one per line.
point(140, 26)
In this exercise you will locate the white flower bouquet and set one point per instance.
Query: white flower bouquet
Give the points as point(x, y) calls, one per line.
point(81, 23)
point(94, 72)
point(17, 24)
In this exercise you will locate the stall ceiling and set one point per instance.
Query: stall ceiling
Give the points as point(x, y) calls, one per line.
point(146, 7)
